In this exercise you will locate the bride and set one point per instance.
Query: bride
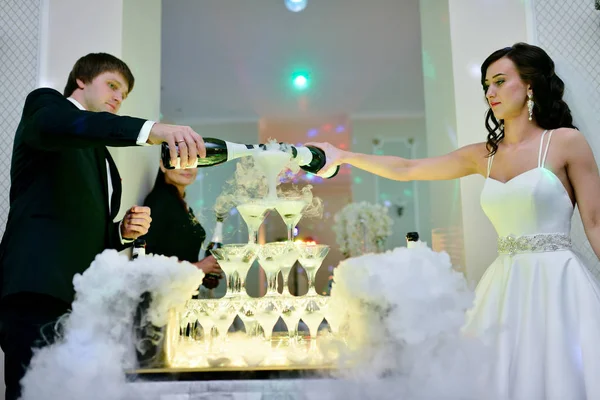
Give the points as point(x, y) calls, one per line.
point(538, 296)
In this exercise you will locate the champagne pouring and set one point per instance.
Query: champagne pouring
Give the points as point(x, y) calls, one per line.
point(310, 159)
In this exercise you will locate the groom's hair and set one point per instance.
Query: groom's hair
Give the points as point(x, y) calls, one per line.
point(90, 66)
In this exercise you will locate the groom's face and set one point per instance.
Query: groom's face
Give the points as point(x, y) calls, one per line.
point(105, 92)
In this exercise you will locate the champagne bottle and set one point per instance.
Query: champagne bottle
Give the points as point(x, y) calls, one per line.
point(150, 346)
point(217, 152)
point(310, 158)
point(211, 281)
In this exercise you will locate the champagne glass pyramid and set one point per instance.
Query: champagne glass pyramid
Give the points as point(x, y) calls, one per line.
point(254, 212)
point(311, 256)
point(235, 258)
point(291, 209)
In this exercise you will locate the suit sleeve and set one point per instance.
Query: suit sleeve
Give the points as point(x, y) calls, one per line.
point(114, 239)
point(51, 122)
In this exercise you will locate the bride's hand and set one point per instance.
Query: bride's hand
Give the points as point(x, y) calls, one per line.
point(333, 155)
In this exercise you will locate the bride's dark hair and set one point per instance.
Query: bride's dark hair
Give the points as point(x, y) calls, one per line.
point(537, 69)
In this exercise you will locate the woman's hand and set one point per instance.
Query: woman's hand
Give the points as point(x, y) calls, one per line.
point(209, 265)
point(333, 155)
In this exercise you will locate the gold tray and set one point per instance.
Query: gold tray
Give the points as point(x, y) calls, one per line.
point(311, 368)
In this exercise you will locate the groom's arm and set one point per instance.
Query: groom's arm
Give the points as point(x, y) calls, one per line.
point(51, 122)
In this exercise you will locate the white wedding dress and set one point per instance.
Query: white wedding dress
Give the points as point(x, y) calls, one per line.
point(538, 301)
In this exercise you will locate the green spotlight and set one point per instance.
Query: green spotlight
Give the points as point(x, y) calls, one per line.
point(300, 81)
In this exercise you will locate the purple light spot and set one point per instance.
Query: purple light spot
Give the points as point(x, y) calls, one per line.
point(312, 133)
point(340, 129)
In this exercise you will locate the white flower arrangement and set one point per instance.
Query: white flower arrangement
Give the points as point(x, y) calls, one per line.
point(362, 228)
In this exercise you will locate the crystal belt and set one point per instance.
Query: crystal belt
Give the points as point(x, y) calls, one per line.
point(533, 243)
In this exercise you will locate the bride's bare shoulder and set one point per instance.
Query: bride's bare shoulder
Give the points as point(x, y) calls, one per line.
point(568, 136)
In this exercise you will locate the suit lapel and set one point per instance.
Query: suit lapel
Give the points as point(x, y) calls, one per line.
point(101, 165)
point(115, 201)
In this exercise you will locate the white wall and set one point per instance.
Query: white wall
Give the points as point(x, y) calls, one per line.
point(71, 29)
point(574, 44)
point(440, 115)
point(477, 28)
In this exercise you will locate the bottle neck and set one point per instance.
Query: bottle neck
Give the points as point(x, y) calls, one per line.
point(238, 150)
point(313, 160)
point(218, 233)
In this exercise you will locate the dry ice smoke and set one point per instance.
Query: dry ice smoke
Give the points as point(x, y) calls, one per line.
point(90, 359)
point(403, 310)
point(249, 183)
point(315, 204)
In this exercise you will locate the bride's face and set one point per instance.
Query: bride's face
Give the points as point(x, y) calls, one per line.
point(505, 92)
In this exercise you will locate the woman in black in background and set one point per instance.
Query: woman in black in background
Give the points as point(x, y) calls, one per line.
point(175, 231)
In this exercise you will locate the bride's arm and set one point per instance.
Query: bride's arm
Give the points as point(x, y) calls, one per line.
point(465, 161)
point(582, 171)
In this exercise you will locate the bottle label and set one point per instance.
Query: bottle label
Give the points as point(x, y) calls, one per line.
point(178, 164)
point(138, 252)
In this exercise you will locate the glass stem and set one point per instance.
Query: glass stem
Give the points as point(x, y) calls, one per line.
point(252, 236)
point(311, 282)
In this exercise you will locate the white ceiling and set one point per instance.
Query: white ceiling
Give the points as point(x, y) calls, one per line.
point(231, 60)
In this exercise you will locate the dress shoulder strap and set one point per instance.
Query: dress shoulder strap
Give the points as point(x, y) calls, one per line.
point(543, 155)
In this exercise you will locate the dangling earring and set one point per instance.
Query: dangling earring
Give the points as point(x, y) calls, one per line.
point(530, 106)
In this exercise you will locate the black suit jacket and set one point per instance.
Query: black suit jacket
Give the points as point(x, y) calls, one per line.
point(59, 218)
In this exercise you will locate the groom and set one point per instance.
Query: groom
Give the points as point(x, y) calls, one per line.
point(65, 192)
